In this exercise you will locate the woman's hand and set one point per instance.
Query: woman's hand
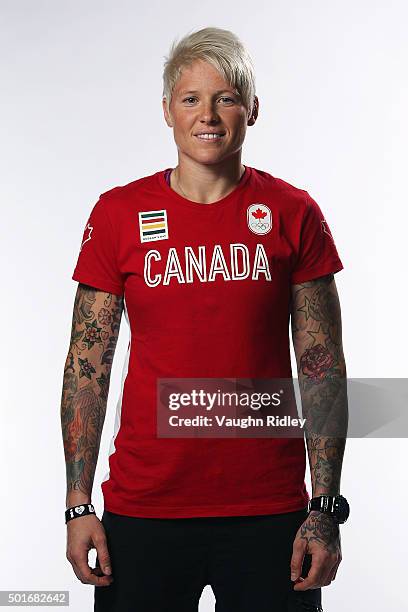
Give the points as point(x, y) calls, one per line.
point(319, 536)
point(84, 533)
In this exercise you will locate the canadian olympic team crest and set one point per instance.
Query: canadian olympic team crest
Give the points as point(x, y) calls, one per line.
point(259, 218)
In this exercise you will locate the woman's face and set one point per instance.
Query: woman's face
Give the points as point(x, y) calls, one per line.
point(203, 101)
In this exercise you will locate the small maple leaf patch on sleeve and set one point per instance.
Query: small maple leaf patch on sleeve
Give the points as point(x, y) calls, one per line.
point(325, 228)
point(86, 237)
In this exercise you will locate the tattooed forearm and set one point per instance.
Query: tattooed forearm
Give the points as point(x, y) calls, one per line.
point(82, 438)
point(325, 458)
point(316, 332)
point(94, 334)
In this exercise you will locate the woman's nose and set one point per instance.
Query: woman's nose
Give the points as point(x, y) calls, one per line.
point(208, 113)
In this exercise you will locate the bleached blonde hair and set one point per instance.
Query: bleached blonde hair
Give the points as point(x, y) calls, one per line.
point(221, 48)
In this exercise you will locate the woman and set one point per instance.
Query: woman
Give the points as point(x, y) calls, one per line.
point(208, 260)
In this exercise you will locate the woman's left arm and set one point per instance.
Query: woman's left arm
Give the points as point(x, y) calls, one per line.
point(317, 340)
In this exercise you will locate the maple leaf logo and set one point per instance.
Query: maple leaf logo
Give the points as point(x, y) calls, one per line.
point(258, 214)
point(259, 218)
point(325, 228)
point(89, 228)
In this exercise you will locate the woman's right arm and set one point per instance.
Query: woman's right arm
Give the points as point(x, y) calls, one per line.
point(94, 334)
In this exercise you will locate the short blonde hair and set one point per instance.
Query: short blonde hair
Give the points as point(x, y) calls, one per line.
point(221, 48)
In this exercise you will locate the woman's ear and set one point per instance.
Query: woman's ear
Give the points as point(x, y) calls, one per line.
point(166, 112)
point(254, 113)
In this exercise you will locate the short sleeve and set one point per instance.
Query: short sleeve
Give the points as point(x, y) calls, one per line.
point(97, 260)
point(317, 254)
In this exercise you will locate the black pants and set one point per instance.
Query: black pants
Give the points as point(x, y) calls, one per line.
point(163, 565)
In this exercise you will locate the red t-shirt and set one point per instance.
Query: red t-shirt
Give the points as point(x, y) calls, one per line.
point(226, 317)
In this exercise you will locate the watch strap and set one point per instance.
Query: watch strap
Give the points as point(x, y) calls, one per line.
point(323, 503)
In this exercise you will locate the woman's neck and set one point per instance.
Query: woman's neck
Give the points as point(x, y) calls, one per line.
point(205, 185)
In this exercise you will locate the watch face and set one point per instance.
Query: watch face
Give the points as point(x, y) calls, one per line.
point(342, 509)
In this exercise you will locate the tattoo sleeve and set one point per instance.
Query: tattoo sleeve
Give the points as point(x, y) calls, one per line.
point(316, 334)
point(94, 334)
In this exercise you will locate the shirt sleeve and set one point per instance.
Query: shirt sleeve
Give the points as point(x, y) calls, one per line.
point(317, 254)
point(97, 260)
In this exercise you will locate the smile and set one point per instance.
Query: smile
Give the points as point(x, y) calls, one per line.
point(209, 137)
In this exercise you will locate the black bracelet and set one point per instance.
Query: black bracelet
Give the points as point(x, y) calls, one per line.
point(77, 511)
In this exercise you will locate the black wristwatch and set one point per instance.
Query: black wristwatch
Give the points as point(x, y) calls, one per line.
point(337, 506)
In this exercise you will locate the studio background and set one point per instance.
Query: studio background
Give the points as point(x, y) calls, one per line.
point(81, 113)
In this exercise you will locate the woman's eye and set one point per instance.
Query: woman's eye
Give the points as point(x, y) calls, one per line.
point(193, 98)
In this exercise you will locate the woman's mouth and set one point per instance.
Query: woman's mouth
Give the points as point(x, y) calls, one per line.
point(210, 137)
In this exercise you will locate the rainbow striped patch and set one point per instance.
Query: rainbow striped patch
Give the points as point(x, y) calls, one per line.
point(153, 225)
